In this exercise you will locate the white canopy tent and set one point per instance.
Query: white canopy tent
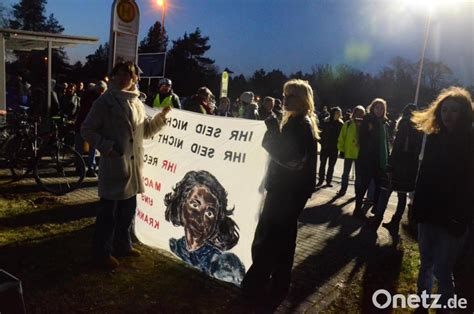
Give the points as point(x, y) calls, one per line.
point(13, 39)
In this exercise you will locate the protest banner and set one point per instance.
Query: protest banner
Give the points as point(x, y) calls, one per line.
point(204, 189)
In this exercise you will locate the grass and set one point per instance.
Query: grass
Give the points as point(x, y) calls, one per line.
point(397, 273)
point(47, 245)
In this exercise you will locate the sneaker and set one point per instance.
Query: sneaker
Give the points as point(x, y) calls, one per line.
point(341, 193)
point(109, 262)
point(91, 173)
point(329, 185)
point(320, 182)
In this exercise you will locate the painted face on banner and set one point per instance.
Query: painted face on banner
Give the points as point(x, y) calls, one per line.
point(200, 214)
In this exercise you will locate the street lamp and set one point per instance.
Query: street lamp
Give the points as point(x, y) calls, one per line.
point(430, 5)
point(162, 4)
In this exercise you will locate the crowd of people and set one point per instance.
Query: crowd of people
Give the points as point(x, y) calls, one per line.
point(426, 156)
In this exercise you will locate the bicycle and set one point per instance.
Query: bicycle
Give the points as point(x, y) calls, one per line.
point(19, 143)
point(57, 167)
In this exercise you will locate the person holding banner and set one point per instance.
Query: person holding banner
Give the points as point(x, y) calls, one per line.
point(290, 182)
point(116, 125)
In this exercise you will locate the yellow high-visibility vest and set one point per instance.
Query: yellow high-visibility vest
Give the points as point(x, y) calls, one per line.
point(167, 102)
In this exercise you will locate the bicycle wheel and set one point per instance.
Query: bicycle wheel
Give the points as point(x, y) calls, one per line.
point(59, 169)
point(20, 156)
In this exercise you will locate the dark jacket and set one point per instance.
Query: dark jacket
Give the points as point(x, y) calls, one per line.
point(329, 135)
point(69, 105)
point(293, 156)
point(88, 97)
point(403, 160)
point(225, 266)
point(369, 152)
point(196, 104)
point(444, 189)
point(251, 112)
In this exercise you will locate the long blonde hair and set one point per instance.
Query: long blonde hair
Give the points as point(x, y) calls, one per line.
point(429, 120)
point(304, 93)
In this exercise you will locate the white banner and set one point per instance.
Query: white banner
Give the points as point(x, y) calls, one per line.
point(204, 178)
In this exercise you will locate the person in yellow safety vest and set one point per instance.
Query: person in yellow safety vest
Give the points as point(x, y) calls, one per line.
point(348, 145)
point(165, 96)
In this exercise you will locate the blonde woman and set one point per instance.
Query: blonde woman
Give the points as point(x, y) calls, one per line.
point(372, 161)
point(443, 201)
point(290, 182)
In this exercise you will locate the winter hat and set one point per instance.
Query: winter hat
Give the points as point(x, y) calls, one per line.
point(101, 84)
point(246, 97)
point(165, 81)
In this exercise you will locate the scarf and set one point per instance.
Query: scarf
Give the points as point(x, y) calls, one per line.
point(383, 146)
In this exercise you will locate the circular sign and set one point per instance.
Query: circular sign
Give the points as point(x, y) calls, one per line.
point(126, 11)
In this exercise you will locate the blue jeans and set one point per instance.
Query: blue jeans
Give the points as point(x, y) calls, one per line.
point(113, 226)
point(438, 252)
point(79, 147)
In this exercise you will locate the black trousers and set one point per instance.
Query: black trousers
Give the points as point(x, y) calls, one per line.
point(113, 226)
point(274, 244)
point(323, 157)
point(365, 174)
point(345, 175)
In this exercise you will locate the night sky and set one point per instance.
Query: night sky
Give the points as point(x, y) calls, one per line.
point(292, 35)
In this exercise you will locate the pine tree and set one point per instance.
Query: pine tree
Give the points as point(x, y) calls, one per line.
point(30, 15)
point(97, 63)
point(155, 40)
point(3, 16)
point(187, 65)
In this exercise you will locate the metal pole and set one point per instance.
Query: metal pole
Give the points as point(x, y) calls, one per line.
point(163, 19)
point(425, 44)
point(50, 60)
point(3, 98)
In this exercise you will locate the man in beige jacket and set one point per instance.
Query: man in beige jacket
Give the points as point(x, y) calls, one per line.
point(116, 126)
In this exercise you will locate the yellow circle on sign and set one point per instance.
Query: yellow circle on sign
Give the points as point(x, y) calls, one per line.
point(126, 11)
point(225, 75)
